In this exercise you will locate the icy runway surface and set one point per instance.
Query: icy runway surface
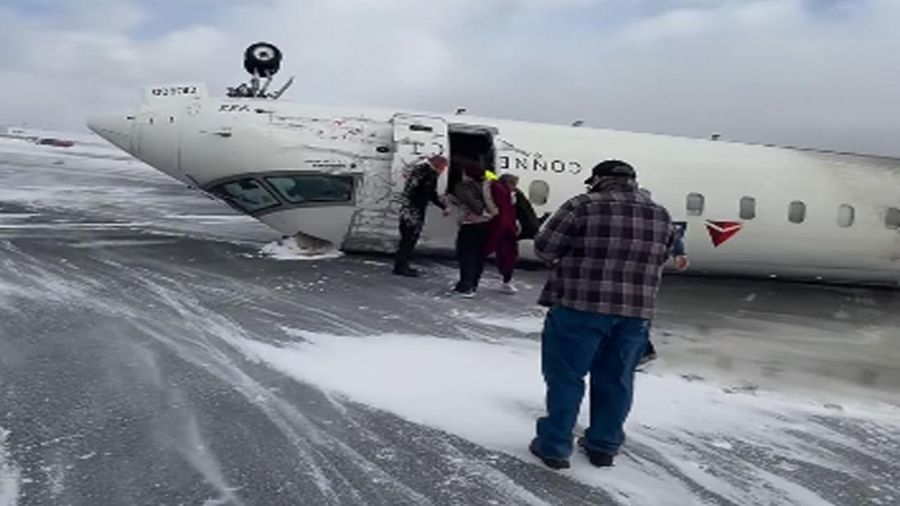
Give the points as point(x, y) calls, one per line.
point(156, 348)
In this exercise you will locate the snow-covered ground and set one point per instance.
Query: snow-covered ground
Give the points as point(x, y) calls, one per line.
point(9, 474)
point(156, 349)
point(490, 393)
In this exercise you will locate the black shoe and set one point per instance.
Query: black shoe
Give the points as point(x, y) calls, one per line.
point(597, 458)
point(462, 291)
point(409, 272)
point(647, 358)
point(555, 464)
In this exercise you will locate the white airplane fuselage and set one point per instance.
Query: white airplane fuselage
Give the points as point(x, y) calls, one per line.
point(335, 174)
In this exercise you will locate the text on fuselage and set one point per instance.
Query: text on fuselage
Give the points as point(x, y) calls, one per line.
point(538, 163)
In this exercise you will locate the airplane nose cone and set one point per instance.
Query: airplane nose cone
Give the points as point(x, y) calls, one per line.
point(114, 128)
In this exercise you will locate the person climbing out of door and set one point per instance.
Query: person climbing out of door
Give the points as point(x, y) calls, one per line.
point(420, 189)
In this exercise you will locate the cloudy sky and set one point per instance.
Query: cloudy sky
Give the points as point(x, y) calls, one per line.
point(819, 73)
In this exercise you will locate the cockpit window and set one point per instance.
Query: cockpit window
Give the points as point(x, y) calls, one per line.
point(313, 188)
point(246, 194)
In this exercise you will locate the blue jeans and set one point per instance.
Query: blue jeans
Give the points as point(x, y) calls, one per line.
point(573, 344)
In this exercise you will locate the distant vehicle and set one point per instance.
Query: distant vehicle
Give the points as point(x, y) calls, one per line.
point(42, 137)
point(59, 143)
point(334, 174)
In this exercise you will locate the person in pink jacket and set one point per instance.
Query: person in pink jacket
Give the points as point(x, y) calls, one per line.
point(503, 241)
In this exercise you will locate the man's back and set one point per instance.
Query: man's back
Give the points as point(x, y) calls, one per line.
point(420, 184)
point(420, 189)
point(609, 247)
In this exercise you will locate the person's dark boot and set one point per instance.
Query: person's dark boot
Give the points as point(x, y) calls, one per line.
point(409, 272)
point(555, 464)
point(647, 358)
point(649, 355)
point(597, 458)
point(464, 292)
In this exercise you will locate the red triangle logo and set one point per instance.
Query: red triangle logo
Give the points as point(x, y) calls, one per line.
point(721, 231)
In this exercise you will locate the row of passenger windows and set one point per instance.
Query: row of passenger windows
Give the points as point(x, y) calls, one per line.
point(251, 195)
point(846, 215)
point(539, 192)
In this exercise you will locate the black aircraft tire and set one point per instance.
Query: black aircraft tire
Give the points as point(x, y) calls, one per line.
point(262, 59)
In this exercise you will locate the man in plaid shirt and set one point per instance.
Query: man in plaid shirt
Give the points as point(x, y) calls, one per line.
point(607, 248)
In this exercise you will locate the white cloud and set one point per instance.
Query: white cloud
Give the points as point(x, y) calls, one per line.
point(768, 71)
point(783, 71)
point(103, 15)
point(680, 23)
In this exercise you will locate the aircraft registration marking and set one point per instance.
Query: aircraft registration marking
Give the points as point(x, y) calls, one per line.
point(174, 91)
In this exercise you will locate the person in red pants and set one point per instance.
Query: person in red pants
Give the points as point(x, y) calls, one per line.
point(503, 241)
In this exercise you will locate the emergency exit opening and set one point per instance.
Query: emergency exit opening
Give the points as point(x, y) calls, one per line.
point(469, 145)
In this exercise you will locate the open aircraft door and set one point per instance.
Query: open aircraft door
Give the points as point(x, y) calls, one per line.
point(415, 138)
point(375, 225)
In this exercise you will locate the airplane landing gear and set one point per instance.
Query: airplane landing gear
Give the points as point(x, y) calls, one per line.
point(262, 60)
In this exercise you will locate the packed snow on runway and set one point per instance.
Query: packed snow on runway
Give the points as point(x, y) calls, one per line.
point(156, 348)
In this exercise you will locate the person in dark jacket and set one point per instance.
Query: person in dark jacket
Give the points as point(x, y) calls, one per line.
point(679, 253)
point(529, 222)
point(420, 189)
point(607, 248)
point(473, 228)
point(503, 238)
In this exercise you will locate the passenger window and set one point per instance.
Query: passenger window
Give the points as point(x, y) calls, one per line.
point(695, 204)
point(846, 215)
point(797, 212)
point(247, 194)
point(892, 218)
point(539, 192)
point(748, 208)
point(313, 188)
